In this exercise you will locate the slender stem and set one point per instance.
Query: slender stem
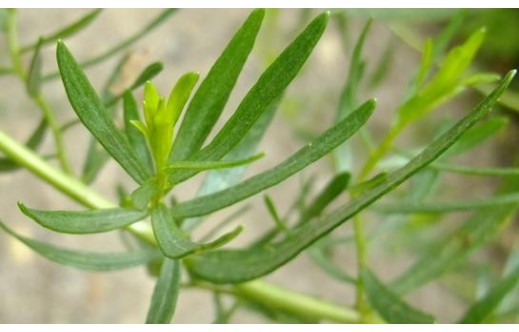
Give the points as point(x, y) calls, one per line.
point(81, 193)
point(358, 224)
point(17, 62)
point(297, 303)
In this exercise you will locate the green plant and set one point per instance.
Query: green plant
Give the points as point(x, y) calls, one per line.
point(162, 149)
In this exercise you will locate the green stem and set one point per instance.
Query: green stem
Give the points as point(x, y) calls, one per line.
point(296, 303)
point(17, 62)
point(358, 225)
point(256, 290)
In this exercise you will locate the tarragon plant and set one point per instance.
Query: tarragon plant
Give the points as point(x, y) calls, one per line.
point(164, 141)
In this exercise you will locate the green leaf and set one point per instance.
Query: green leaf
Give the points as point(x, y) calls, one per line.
point(34, 141)
point(135, 137)
point(154, 23)
point(66, 31)
point(389, 305)
point(485, 307)
point(299, 160)
point(445, 207)
point(180, 94)
point(92, 113)
point(86, 260)
point(147, 74)
point(445, 83)
point(207, 165)
point(477, 135)
point(142, 196)
point(173, 242)
point(33, 82)
point(84, 222)
point(330, 192)
point(214, 91)
point(165, 293)
point(269, 87)
point(349, 99)
point(220, 179)
point(234, 266)
point(476, 231)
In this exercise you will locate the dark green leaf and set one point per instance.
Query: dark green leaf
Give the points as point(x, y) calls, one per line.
point(92, 113)
point(84, 222)
point(33, 82)
point(135, 137)
point(330, 192)
point(269, 87)
point(234, 266)
point(33, 143)
point(66, 31)
point(446, 207)
point(86, 260)
point(485, 306)
point(223, 178)
point(207, 165)
point(477, 135)
point(214, 91)
point(174, 243)
point(349, 99)
point(389, 305)
point(302, 158)
point(165, 293)
point(165, 14)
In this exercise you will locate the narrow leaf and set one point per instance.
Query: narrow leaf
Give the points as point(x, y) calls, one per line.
point(214, 91)
point(154, 23)
point(207, 165)
point(302, 158)
point(180, 94)
point(165, 293)
point(330, 192)
point(135, 136)
point(234, 266)
point(446, 207)
point(84, 222)
point(66, 31)
point(477, 135)
point(486, 306)
point(173, 242)
point(389, 305)
point(86, 260)
point(91, 112)
point(33, 82)
point(269, 87)
point(220, 179)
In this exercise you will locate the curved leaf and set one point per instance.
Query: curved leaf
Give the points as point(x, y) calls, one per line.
point(172, 241)
point(235, 266)
point(165, 293)
point(92, 113)
point(302, 158)
point(84, 222)
point(269, 87)
point(214, 91)
point(86, 260)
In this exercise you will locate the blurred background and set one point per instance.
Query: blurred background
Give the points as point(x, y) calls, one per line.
point(34, 290)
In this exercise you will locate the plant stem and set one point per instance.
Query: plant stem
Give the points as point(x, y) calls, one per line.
point(358, 224)
point(81, 193)
point(17, 62)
